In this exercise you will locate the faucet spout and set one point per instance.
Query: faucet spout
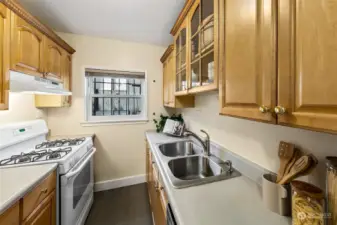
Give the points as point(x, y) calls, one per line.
point(205, 143)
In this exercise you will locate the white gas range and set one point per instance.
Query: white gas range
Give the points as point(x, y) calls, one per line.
point(25, 144)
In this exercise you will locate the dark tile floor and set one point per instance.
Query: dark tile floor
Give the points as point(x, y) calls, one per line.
point(123, 206)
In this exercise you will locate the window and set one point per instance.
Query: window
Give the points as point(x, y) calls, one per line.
point(114, 96)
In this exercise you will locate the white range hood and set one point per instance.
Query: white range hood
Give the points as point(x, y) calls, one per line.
point(23, 83)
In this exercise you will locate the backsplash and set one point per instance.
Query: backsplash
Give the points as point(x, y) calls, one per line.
point(256, 141)
point(21, 108)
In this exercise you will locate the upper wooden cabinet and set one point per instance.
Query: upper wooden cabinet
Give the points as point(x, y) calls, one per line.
point(307, 55)
point(29, 47)
point(26, 47)
point(248, 58)
point(169, 83)
point(53, 65)
point(196, 47)
point(4, 55)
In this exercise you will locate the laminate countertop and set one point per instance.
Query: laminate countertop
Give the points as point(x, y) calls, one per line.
point(16, 182)
point(235, 201)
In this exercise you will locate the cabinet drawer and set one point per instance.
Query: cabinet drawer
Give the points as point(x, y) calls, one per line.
point(38, 194)
point(11, 216)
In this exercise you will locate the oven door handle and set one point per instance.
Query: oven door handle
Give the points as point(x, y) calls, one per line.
point(79, 169)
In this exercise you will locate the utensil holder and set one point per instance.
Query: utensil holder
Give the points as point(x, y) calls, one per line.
point(276, 197)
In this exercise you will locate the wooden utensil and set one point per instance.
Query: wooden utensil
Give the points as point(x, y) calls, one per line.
point(286, 153)
point(300, 165)
point(312, 165)
point(296, 156)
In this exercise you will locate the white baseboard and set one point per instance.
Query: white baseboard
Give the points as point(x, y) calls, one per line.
point(117, 183)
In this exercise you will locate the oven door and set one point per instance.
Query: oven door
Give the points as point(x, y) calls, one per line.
point(77, 188)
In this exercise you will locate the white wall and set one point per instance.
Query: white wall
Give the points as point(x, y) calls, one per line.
point(120, 146)
point(21, 108)
point(256, 141)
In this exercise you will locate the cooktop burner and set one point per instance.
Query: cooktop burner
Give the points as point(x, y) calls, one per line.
point(36, 156)
point(60, 143)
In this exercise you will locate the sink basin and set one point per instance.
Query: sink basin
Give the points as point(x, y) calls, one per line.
point(197, 170)
point(192, 168)
point(182, 148)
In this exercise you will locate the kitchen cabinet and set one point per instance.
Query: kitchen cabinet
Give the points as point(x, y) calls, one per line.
point(196, 47)
point(53, 65)
point(55, 101)
point(29, 47)
point(307, 66)
point(169, 82)
point(271, 70)
point(11, 216)
point(248, 58)
point(37, 207)
point(4, 55)
point(45, 213)
point(155, 189)
point(27, 53)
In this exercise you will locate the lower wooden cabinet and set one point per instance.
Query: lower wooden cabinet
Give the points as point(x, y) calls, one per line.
point(45, 213)
point(11, 216)
point(156, 190)
point(38, 207)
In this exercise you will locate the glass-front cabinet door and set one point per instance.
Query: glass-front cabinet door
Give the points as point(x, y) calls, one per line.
point(181, 60)
point(203, 41)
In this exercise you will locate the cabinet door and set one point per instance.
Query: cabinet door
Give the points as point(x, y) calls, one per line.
point(53, 63)
point(157, 209)
point(67, 77)
point(165, 83)
point(203, 39)
point(45, 213)
point(4, 55)
point(181, 59)
point(11, 216)
point(171, 80)
point(307, 64)
point(26, 47)
point(248, 61)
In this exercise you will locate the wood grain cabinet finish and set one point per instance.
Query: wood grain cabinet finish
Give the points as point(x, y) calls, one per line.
point(248, 58)
point(54, 57)
point(4, 55)
point(154, 190)
point(57, 101)
point(307, 79)
point(169, 83)
point(27, 50)
point(11, 216)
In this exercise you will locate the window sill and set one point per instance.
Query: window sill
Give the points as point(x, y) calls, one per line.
point(113, 122)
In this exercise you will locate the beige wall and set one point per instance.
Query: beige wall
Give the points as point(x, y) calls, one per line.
point(21, 108)
point(256, 141)
point(120, 146)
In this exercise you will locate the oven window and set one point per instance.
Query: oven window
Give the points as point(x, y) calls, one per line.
point(81, 183)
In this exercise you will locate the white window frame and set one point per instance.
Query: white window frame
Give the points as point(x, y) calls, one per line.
point(143, 117)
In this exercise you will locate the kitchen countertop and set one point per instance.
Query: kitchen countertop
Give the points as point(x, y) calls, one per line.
point(235, 201)
point(15, 182)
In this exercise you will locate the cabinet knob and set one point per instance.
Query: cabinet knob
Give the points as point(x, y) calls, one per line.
point(279, 110)
point(264, 109)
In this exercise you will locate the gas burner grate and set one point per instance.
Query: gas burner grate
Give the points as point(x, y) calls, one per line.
point(60, 143)
point(36, 156)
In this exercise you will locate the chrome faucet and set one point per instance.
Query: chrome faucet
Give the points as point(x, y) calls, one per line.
point(206, 144)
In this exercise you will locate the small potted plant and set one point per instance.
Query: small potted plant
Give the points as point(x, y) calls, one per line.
point(161, 123)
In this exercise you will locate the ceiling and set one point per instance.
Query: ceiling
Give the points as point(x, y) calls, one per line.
point(147, 21)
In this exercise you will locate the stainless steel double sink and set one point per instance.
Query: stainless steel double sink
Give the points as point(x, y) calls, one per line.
point(185, 165)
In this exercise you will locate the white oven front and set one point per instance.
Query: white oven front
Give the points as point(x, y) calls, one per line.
point(77, 188)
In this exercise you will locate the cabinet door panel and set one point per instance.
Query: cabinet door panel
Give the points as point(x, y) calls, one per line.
point(11, 216)
point(248, 61)
point(45, 213)
point(4, 55)
point(307, 63)
point(26, 47)
point(53, 65)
